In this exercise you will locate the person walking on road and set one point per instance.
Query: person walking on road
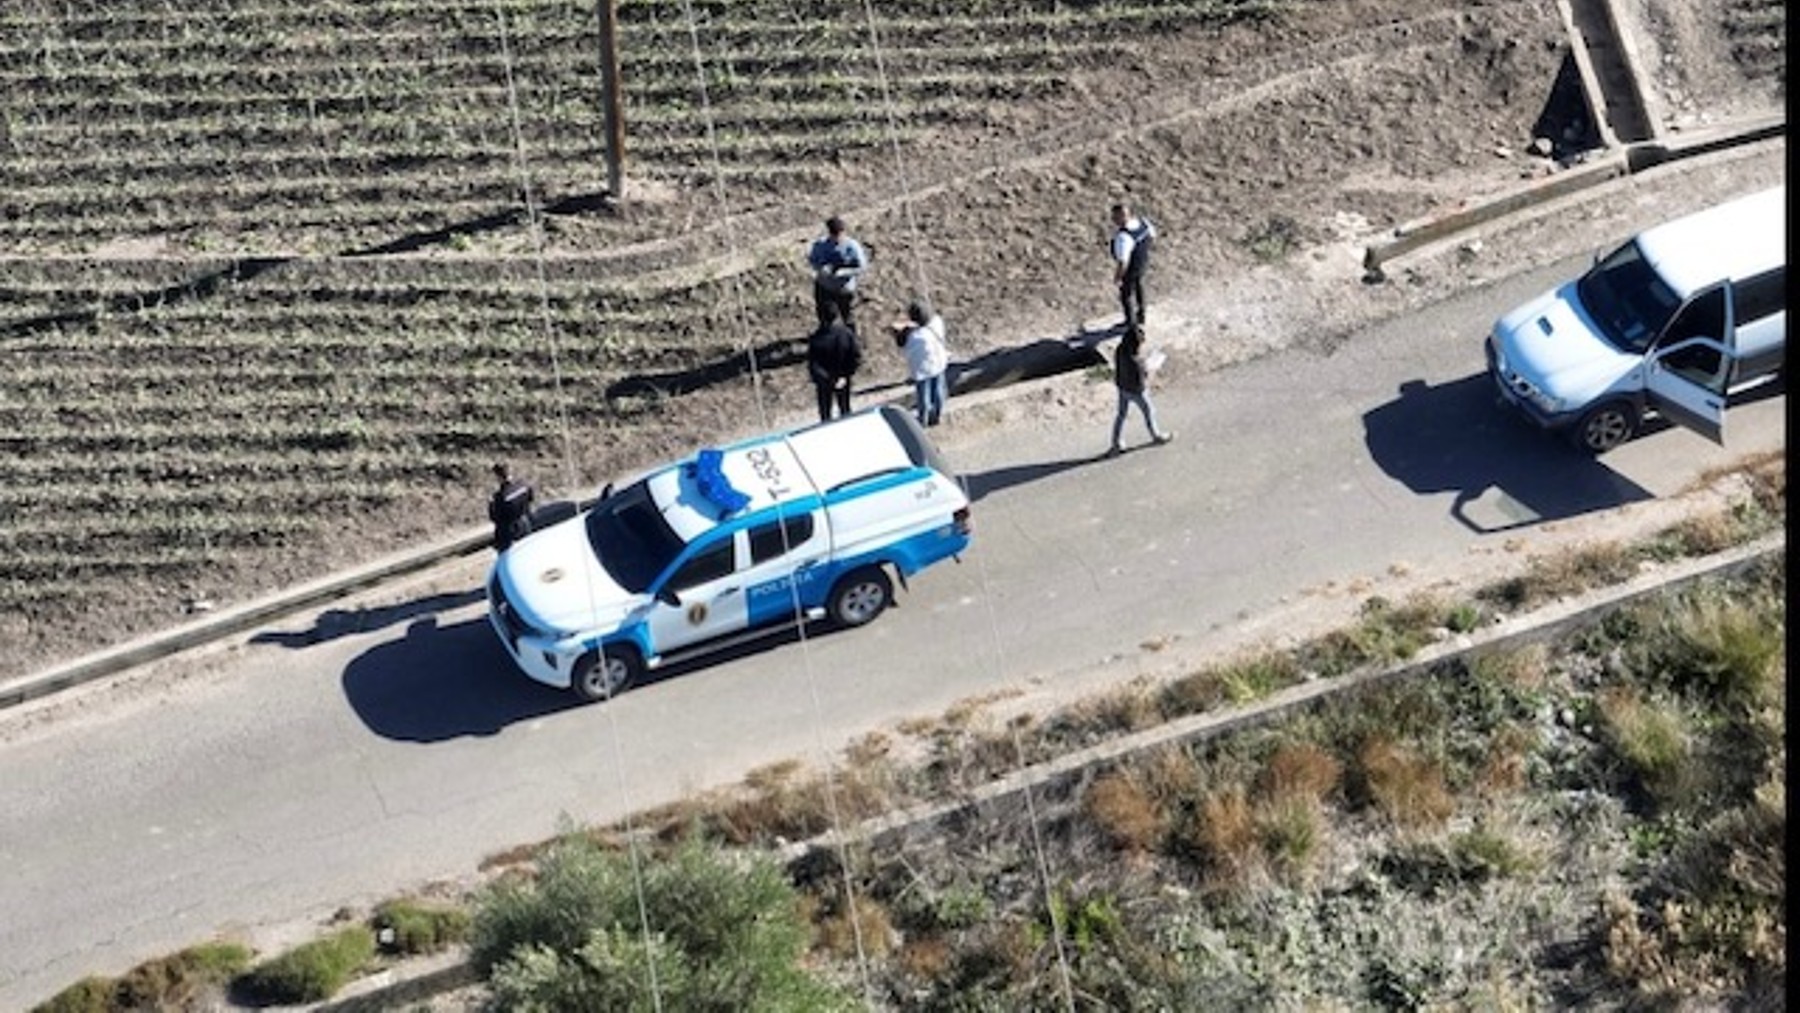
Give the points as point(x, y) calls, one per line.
point(837, 262)
point(832, 357)
point(922, 337)
point(1132, 376)
point(1132, 238)
point(509, 509)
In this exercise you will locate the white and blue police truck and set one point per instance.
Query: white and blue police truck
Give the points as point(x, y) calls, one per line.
point(694, 556)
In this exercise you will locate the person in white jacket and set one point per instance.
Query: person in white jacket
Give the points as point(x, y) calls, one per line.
point(922, 337)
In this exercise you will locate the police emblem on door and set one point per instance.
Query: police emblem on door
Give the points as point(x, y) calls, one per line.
point(697, 613)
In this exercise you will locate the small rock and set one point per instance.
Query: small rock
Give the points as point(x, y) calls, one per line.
point(1565, 717)
point(1542, 146)
point(200, 605)
point(1502, 151)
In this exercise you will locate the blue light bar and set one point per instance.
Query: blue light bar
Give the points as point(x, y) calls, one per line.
point(709, 475)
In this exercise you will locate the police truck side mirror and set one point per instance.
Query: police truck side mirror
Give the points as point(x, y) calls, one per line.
point(668, 597)
point(606, 491)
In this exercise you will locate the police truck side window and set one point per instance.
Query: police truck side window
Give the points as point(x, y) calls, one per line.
point(766, 541)
point(711, 564)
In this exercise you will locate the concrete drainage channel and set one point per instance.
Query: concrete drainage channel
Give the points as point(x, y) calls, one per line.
point(1066, 775)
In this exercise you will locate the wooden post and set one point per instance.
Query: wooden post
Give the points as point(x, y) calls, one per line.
point(612, 94)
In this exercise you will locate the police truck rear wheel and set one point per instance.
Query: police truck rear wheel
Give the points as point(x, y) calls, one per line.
point(861, 596)
point(602, 676)
point(1606, 427)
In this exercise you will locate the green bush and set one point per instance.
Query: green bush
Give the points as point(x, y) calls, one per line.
point(89, 995)
point(695, 930)
point(311, 972)
point(420, 928)
point(178, 981)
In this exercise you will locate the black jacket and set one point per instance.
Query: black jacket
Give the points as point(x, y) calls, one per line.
point(833, 353)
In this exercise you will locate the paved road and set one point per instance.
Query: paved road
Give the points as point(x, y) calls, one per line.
point(304, 772)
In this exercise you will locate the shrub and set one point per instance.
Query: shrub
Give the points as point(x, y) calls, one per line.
point(1732, 649)
point(92, 994)
point(1123, 811)
point(1651, 739)
point(1301, 770)
point(1406, 788)
point(419, 928)
point(181, 979)
point(720, 934)
point(311, 972)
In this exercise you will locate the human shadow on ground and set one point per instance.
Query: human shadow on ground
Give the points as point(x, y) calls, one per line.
point(336, 622)
point(979, 483)
point(445, 682)
point(1456, 437)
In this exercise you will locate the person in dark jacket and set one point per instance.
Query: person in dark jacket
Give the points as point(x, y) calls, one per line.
point(832, 357)
point(1132, 379)
point(509, 509)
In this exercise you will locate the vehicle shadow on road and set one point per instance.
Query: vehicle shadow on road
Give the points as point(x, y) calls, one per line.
point(444, 682)
point(335, 622)
point(1455, 437)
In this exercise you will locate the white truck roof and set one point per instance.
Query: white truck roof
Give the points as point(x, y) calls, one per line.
point(1739, 239)
point(779, 468)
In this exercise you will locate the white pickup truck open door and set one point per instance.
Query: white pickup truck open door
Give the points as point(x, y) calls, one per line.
point(1686, 384)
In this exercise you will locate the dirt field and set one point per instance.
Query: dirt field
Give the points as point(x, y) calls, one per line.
point(1268, 149)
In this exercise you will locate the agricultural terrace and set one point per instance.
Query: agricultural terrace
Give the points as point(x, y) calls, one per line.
point(271, 292)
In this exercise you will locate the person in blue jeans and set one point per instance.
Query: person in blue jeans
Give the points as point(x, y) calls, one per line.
point(1132, 379)
point(922, 337)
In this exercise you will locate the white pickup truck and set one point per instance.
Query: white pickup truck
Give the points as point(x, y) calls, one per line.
point(695, 555)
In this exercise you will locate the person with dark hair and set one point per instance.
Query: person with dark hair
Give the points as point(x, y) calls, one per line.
point(509, 509)
point(832, 357)
point(1132, 377)
point(837, 261)
point(1132, 238)
point(921, 336)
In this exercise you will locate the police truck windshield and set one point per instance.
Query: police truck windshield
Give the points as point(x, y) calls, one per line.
point(631, 539)
point(1627, 299)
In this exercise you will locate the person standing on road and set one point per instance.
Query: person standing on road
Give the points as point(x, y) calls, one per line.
point(837, 261)
point(922, 337)
point(1132, 238)
point(1132, 377)
point(832, 357)
point(509, 509)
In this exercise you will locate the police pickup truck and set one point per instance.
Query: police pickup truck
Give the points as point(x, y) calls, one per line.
point(791, 526)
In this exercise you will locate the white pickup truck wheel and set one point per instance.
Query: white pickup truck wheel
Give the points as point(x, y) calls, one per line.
point(861, 596)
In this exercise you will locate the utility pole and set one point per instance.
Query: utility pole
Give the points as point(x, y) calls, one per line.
point(612, 94)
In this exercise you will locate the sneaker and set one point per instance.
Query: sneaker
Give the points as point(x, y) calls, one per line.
point(1162, 438)
point(1114, 451)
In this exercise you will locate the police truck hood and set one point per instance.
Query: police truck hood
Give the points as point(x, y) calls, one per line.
point(556, 583)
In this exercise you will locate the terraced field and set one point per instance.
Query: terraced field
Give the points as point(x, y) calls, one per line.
point(279, 278)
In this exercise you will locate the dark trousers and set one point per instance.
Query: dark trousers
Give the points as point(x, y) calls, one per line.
point(1131, 298)
point(828, 394)
point(833, 306)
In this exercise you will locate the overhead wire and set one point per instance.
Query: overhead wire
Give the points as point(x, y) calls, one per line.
point(833, 809)
point(534, 223)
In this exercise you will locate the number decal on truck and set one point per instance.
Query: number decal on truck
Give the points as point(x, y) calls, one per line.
point(763, 463)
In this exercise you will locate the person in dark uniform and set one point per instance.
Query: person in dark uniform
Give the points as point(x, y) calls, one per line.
point(832, 357)
point(1133, 236)
point(510, 509)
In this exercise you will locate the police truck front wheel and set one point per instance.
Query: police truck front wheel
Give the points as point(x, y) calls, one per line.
point(600, 676)
point(861, 596)
point(1605, 427)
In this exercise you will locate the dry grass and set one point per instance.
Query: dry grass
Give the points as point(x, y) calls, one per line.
point(865, 927)
point(1408, 789)
point(1652, 739)
point(1123, 811)
point(1301, 770)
